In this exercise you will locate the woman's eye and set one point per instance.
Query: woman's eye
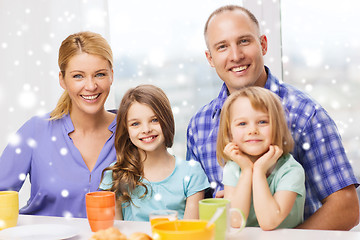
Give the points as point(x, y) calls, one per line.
point(100, 75)
point(77, 76)
point(155, 120)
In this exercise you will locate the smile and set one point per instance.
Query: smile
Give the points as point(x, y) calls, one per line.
point(239, 69)
point(90, 97)
point(148, 139)
point(253, 141)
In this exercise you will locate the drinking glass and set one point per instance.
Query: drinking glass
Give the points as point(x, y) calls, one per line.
point(100, 209)
point(162, 215)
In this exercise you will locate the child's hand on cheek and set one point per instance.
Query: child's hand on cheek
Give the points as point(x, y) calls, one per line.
point(269, 159)
point(233, 152)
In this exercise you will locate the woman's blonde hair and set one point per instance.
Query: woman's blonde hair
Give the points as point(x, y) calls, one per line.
point(260, 99)
point(82, 42)
point(128, 170)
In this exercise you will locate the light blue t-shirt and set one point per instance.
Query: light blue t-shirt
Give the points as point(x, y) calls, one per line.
point(171, 193)
point(288, 175)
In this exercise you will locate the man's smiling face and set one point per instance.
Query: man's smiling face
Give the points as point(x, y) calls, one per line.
point(236, 50)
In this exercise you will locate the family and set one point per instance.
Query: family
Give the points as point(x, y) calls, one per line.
point(246, 145)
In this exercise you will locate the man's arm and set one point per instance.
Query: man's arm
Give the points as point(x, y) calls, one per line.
point(340, 211)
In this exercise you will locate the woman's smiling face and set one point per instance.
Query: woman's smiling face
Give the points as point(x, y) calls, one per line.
point(87, 80)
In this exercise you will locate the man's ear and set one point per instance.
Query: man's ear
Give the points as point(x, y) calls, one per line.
point(263, 42)
point(62, 81)
point(209, 57)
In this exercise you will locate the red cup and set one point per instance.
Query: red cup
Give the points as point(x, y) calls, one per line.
point(100, 210)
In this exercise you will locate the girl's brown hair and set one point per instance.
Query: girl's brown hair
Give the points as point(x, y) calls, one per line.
point(128, 170)
point(82, 42)
point(261, 99)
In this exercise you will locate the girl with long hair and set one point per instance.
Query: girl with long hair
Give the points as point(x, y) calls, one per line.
point(146, 176)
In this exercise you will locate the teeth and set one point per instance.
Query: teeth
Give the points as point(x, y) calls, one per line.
point(90, 97)
point(238, 69)
point(148, 139)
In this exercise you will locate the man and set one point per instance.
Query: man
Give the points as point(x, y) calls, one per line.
point(236, 50)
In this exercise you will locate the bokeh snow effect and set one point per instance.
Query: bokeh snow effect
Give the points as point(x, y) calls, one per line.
point(160, 47)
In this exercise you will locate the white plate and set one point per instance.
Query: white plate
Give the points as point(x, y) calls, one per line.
point(39, 232)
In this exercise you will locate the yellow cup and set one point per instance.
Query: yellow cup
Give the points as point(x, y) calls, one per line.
point(162, 216)
point(183, 229)
point(9, 209)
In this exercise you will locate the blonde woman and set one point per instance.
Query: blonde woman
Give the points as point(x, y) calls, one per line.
point(65, 151)
point(260, 176)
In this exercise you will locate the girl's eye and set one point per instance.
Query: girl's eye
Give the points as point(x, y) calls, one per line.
point(263, 122)
point(242, 123)
point(134, 124)
point(155, 120)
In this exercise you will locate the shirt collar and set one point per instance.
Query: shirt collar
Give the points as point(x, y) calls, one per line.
point(69, 126)
point(271, 83)
point(219, 101)
point(112, 126)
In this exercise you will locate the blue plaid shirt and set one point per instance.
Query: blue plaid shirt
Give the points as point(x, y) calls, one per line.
point(318, 146)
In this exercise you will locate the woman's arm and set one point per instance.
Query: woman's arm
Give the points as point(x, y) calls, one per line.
point(192, 205)
point(16, 159)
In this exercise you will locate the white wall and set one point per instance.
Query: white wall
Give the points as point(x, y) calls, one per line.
point(268, 15)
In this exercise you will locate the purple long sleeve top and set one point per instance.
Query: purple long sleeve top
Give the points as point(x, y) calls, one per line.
point(58, 174)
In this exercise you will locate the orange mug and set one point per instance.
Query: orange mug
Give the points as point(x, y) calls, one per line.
point(100, 209)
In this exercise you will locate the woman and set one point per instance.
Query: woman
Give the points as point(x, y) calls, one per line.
point(64, 152)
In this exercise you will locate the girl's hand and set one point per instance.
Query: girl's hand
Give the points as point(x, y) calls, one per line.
point(233, 152)
point(269, 159)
